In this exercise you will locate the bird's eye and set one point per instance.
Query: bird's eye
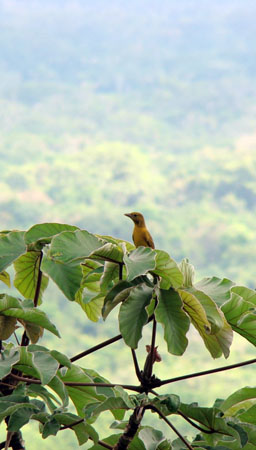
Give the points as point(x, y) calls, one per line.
point(135, 215)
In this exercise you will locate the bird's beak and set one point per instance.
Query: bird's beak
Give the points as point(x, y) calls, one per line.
point(128, 215)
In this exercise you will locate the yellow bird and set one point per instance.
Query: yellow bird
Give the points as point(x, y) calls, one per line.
point(140, 235)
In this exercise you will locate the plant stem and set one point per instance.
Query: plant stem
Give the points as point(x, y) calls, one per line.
point(39, 280)
point(136, 365)
point(74, 383)
point(206, 372)
point(152, 350)
point(154, 408)
point(96, 347)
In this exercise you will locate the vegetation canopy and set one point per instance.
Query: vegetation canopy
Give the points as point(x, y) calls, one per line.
point(149, 288)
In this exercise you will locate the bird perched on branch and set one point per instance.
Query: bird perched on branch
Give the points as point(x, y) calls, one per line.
point(140, 235)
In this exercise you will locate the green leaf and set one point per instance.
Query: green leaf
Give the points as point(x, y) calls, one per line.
point(7, 326)
point(5, 278)
point(139, 262)
point(110, 440)
point(133, 315)
point(61, 358)
point(72, 247)
point(67, 278)
point(116, 295)
point(12, 246)
point(249, 295)
point(27, 272)
point(214, 314)
point(110, 404)
point(8, 361)
point(111, 272)
point(45, 365)
point(249, 415)
point(20, 417)
point(168, 270)
point(50, 428)
point(241, 314)
point(20, 310)
point(44, 232)
point(80, 395)
point(221, 340)
point(218, 289)
point(176, 323)
point(236, 400)
point(168, 404)
point(108, 252)
point(151, 438)
point(91, 304)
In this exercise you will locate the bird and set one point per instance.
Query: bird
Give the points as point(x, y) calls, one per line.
point(141, 236)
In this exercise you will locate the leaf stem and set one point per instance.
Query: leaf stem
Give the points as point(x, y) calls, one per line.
point(39, 280)
point(152, 350)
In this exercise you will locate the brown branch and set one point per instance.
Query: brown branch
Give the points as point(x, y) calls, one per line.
point(136, 365)
point(206, 372)
point(39, 280)
point(74, 383)
point(131, 429)
point(96, 347)
point(154, 408)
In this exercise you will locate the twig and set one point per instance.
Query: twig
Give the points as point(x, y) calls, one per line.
point(154, 408)
point(136, 365)
point(191, 422)
point(152, 350)
point(206, 372)
point(74, 383)
point(96, 347)
point(39, 280)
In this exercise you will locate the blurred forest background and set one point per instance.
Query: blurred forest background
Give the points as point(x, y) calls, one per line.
point(108, 107)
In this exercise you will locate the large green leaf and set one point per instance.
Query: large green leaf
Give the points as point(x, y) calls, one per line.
point(111, 273)
point(44, 232)
point(218, 289)
point(9, 359)
point(68, 278)
point(7, 327)
point(168, 270)
point(12, 246)
point(214, 314)
point(80, 395)
point(27, 272)
point(241, 314)
point(24, 310)
point(91, 303)
point(239, 400)
point(133, 315)
point(45, 365)
point(72, 247)
point(218, 340)
point(247, 294)
point(139, 262)
point(108, 252)
point(176, 323)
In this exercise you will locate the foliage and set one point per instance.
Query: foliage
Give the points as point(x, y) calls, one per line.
point(100, 273)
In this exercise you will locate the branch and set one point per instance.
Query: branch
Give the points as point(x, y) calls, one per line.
point(131, 429)
point(39, 280)
point(96, 347)
point(74, 383)
point(206, 372)
point(152, 350)
point(136, 365)
point(154, 408)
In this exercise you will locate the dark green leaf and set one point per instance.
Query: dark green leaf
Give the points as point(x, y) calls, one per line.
point(12, 246)
point(133, 315)
point(46, 366)
point(176, 323)
point(168, 270)
point(72, 247)
point(67, 278)
point(218, 289)
point(8, 362)
point(45, 231)
point(139, 262)
point(51, 428)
